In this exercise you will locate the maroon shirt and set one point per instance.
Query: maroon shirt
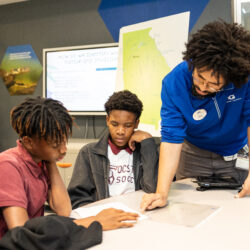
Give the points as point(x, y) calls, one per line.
point(117, 150)
point(23, 183)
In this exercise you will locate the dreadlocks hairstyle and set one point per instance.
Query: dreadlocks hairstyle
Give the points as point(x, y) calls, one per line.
point(223, 48)
point(124, 100)
point(41, 117)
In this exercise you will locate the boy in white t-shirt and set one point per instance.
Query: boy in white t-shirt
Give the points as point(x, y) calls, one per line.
point(122, 161)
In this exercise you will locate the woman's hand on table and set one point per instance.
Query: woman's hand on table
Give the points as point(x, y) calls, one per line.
point(245, 188)
point(153, 200)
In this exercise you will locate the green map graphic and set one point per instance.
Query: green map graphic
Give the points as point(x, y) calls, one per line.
point(144, 67)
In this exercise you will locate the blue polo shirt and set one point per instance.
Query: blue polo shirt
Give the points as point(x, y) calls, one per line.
point(218, 124)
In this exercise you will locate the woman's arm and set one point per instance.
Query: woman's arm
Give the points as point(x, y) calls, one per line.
point(168, 164)
point(246, 186)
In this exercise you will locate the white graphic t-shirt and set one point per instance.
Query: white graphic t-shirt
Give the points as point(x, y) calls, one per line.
point(121, 176)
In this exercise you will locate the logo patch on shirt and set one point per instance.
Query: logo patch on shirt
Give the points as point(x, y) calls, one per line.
point(199, 114)
point(232, 98)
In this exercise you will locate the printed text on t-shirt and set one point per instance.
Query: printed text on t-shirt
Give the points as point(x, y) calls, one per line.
point(118, 174)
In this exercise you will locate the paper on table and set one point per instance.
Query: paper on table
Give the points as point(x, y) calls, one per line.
point(183, 213)
point(84, 212)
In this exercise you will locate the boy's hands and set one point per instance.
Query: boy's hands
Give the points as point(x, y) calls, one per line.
point(137, 137)
point(110, 218)
point(51, 166)
point(58, 197)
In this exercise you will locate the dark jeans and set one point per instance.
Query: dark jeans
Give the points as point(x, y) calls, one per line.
point(198, 162)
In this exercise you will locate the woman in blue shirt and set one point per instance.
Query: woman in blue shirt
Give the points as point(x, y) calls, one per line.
point(205, 110)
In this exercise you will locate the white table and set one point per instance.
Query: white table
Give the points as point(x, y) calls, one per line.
point(228, 228)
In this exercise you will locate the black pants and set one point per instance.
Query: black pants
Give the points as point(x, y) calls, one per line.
point(198, 162)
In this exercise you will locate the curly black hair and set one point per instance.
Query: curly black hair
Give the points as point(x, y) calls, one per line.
point(124, 100)
point(223, 48)
point(42, 117)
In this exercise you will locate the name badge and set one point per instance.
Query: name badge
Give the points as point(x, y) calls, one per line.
point(199, 114)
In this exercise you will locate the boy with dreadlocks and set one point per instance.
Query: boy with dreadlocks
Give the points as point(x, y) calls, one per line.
point(205, 110)
point(28, 172)
point(122, 161)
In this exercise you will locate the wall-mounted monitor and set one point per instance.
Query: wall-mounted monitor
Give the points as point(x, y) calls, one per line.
point(81, 77)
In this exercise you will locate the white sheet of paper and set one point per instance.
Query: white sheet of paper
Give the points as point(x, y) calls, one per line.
point(184, 213)
point(84, 212)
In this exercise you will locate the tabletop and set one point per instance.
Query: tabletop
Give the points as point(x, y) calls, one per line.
point(212, 219)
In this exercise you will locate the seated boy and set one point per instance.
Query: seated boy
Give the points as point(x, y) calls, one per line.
point(122, 161)
point(28, 172)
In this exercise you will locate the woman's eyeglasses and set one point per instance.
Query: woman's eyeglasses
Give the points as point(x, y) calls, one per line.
point(211, 86)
